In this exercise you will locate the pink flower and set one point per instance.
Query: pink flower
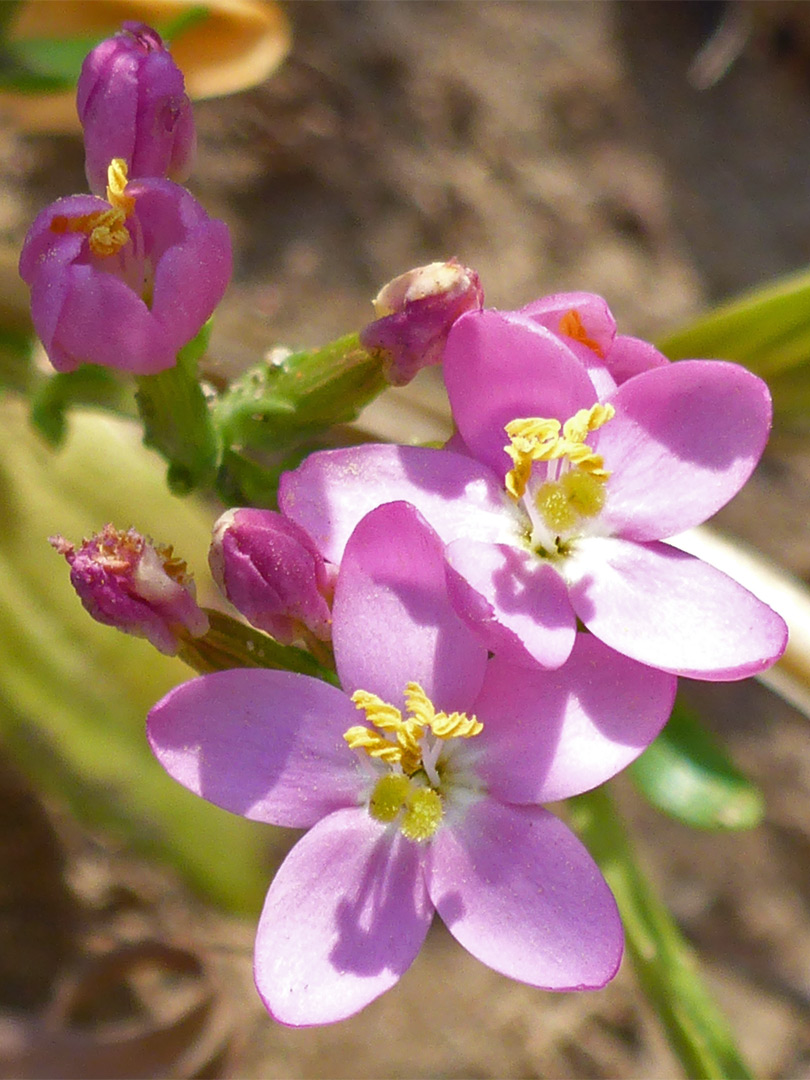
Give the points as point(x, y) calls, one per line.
point(270, 570)
point(139, 587)
point(124, 282)
point(132, 104)
point(414, 314)
point(555, 502)
point(437, 809)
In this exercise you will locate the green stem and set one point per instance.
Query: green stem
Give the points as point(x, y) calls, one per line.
point(665, 964)
point(177, 420)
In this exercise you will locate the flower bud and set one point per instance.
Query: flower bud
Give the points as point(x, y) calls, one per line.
point(271, 571)
point(414, 314)
point(132, 104)
point(125, 281)
point(125, 581)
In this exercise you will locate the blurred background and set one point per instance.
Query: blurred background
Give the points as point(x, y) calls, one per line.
point(657, 153)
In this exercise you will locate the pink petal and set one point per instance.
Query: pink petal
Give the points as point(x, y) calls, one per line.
point(344, 918)
point(392, 621)
point(500, 367)
point(684, 440)
point(594, 313)
point(672, 611)
point(519, 891)
point(332, 490)
point(517, 604)
point(631, 356)
point(265, 744)
point(552, 734)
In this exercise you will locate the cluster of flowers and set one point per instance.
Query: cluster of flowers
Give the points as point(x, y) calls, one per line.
point(502, 612)
point(504, 615)
point(104, 268)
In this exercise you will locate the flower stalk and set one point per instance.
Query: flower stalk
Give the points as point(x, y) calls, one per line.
point(664, 962)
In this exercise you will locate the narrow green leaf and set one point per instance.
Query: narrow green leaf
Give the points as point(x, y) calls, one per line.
point(74, 694)
point(665, 964)
point(687, 774)
point(767, 329)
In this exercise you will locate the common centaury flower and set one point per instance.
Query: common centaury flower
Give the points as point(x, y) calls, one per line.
point(420, 783)
point(577, 452)
point(125, 281)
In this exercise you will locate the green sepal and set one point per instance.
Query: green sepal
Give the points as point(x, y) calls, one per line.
point(177, 419)
point(664, 962)
point(686, 774)
point(279, 406)
point(230, 644)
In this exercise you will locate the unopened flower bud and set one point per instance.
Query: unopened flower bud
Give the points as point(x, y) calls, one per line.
point(414, 314)
point(125, 281)
point(270, 570)
point(142, 588)
point(132, 104)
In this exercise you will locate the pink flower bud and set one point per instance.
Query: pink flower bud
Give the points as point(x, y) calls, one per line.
point(125, 581)
point(414, 314)
point(132, 104)
point(270, 570)
point(124, 282)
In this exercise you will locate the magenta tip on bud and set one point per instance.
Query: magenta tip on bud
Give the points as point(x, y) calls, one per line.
point(126, 581)
point(415, 312)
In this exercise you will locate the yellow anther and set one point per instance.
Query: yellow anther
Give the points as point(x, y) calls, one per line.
point(105, 229)
point(117, 179)
point(536, 439)
point(456, 725)
point(374, 744)
point(378, 712)
point(572, 326)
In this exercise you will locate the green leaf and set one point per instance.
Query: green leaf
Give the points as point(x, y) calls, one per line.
point(665, 964)
point(74, 694)
point(767, 329)
point(686, 774)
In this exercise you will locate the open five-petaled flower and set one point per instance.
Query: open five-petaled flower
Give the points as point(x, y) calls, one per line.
point(577, 452)
point(430, 806)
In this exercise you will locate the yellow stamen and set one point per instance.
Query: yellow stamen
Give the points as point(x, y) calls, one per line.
point(117, 179)
point(535, 439)
point(572, 326)
point(106, 229)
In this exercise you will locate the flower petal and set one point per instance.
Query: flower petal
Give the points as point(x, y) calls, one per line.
point(502, 366)
point(517, 604)
point(631, 356)
point(684, 440)
point(332, 490)
point(392, 620)
point(519, 891)
point(343, 920)
point(265, 744)
point(552, 734)
point(672, 611)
